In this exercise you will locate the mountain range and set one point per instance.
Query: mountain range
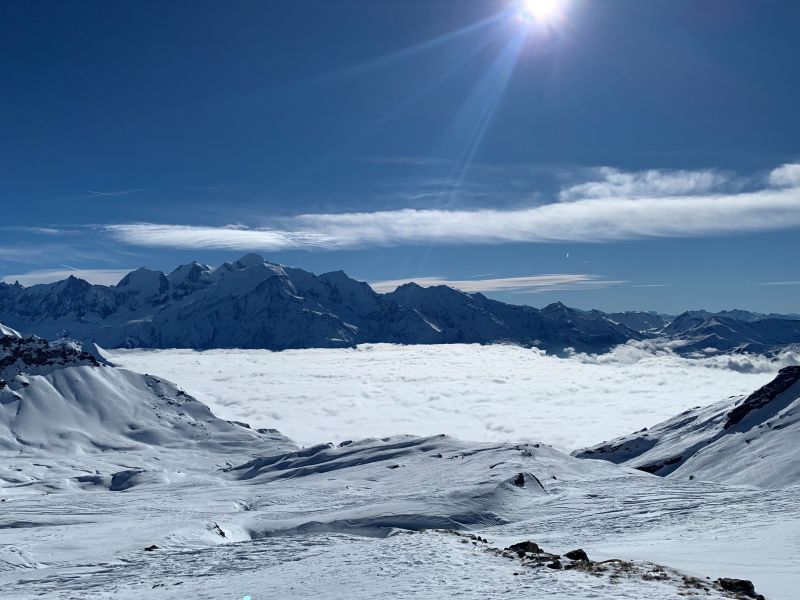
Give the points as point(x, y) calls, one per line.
point(253, 303)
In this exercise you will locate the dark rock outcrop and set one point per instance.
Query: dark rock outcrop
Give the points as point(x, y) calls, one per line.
point(738, 586)
point(576, 555)
point(786, 378)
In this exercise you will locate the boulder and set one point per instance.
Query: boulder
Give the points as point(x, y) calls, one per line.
point(577, 555)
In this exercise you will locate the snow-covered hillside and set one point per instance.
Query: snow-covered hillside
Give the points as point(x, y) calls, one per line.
point(749, 440)
point(119, 485)
point(58, 400)
point(415, 517)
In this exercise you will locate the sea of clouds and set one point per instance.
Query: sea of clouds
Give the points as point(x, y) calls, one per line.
point(478, 393)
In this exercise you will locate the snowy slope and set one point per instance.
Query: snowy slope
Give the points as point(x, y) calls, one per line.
point(56, 400)
point(474, 318)
point(8, 332)
point(750, 440)
point(363, 519)
point(119, 485)
point(640, 320)
point(721, 334)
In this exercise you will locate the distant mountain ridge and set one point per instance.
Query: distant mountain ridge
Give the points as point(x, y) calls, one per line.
point(253, 303)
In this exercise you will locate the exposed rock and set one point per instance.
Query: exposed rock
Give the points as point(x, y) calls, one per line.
point(738, 586)
point(151, 548)
point(526, 547)
point(124, 480)
point(786, 378)
point(218, 530)
point(520, 480)
point(576, 555)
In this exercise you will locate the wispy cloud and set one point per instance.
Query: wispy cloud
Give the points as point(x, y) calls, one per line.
point(530, 284)
point(116, 194)
point(612, 183)
point(780, 283)
point(33, 230)
point(98, 276)
point(615, 207)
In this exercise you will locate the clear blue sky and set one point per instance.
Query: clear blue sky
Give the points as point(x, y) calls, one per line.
point(644, 154)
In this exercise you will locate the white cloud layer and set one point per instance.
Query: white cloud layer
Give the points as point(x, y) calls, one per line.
point(618, 206)
point(531, 284)
point(97, 276)
point(482, 393)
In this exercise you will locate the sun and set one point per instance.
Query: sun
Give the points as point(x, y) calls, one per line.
point(541, 11)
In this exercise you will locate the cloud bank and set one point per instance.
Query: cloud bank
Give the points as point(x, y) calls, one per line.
point(482, 393)
point(532, 284)
point(614, 206)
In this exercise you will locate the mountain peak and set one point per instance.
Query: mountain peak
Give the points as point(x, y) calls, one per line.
point(190, 272)
point(251, 260)
point(8, 332)
point(144, 281)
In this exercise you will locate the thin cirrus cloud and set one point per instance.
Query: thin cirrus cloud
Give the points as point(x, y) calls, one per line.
point(116, 194)
point(524, 284)
point(614, 206)
point(97, 276)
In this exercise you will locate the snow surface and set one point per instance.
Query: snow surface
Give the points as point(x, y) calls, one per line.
point(98, 463)
point(314, 522)
point(481, 393)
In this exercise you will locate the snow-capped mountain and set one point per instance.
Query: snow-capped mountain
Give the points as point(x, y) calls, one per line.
point(748, 440)
point(252, 303)
point(694, 318)
point(465, 318)
point(722, 334)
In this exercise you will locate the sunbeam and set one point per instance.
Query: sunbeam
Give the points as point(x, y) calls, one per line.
point(473, 120)
point(411, 51)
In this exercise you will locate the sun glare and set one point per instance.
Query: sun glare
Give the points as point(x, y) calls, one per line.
point(541, 11)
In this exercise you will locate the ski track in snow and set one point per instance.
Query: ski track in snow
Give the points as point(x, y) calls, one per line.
point(473, 392)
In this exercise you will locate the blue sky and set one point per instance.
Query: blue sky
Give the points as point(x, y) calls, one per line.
point(619, 154)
